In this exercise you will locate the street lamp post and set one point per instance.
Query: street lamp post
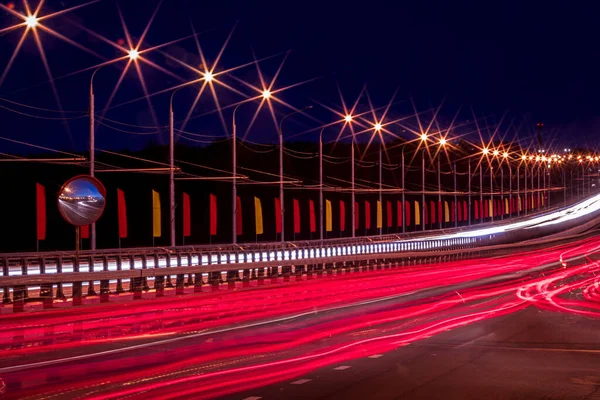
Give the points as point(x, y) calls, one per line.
point(321, 184)
point(455, 211)
point(439, 181)
point(481, 191)
point(403, 205)
point(469, 190)
point(380, 208)
point(281, 200)
point(92, 140)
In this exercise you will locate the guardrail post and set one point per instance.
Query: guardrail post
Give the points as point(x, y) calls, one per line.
point(145, 286)
point(198, 282)
point(77, 287)
point(246, 278)
point(190, 280)
point(104, 283)
point(45, 288)
point(168, 283)
point(119, 288)
point(91, 291)
point(59, 289)
point(6, 289)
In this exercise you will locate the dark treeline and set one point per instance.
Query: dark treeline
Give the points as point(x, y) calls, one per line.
point(301, 163)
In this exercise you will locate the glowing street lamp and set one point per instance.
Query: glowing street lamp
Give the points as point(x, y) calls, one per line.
point(266, 94)
point(423, 137)
point(505, 155)
point(485, 151)
point(31, 21)
point(496, 152)
point(209, 76)
point(348, 118)
point(133, 54)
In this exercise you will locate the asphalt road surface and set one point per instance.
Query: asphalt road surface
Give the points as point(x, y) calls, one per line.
point(517, 327)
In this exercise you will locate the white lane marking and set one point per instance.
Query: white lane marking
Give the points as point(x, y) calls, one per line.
point(300, 382)
point(342, 367)
point(376, 356)
point(176, 339)
point(253, 398)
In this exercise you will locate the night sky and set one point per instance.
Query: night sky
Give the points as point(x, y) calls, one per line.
point(535, 61)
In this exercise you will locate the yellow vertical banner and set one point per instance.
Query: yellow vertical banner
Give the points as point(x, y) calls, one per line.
point(542, 198)
point(520, 205)
point(506, 207)
point(446, 212)
point(417, 213)
point(379, 215)
point(532, 201)
point(258, 217)
point(156, 228)
point(491, 207)
point(328, 216)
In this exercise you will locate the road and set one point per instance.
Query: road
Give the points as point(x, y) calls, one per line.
point(520, 326)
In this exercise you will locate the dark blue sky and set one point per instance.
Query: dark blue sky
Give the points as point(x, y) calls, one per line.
point(535, 60)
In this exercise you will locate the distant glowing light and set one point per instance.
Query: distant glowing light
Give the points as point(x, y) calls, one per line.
point(31, 21)
point(496, 152)
point(266, 94)
point(485, 150)
point(505, 155)
point(523, 157)
point(443, 142)
point(377, 126)
point(348, 118)
point(133, 54)
point(537, 158)
point(208, 76)
point(530, 158)
point(423, 136)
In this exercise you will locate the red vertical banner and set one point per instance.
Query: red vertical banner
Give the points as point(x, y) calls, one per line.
point(356, 213)
point(432, 211)
point(459, 210)
point(296, 216)
point(367, 215)
point(389, 213)
point(213, 214)
point(476, 208)
point(121, 214)
point(440, 218)
point(40, 211)
point(398, 213)
point(187, 216)
point(486, 209)
point(407, 213)
point(85, 232)
point(453, 211)
point(465, 210)
point(312, 218)
point(238, 215)
point(342, 215)
point(277, 215)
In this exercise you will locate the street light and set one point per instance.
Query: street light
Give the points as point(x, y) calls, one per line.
point(31, 21)
point(377, 128)
point(133, 54)
point(423, 137)
point(348, 118)
point(266, 95)
point(209, 76)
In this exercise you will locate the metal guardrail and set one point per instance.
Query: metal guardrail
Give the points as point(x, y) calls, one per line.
point(51, 272)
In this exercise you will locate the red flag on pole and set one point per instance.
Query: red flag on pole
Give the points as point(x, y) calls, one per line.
point(296, 216)
point(40, 211)
point(213, 215)
point(238, 215)
point(356, 219)
point(121, 214)
point(367, 215)
point(85, 232)
point(277, 215)
point(398, 213)
point(476, 207)
point(486, 209)
point(187, 217)
point(313, 220)
point(465, 211)
point(342, 216)
point(389, 213)
point(407, 212)
point(432, 211)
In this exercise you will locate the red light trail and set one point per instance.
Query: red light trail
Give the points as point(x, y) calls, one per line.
point(219, 343)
